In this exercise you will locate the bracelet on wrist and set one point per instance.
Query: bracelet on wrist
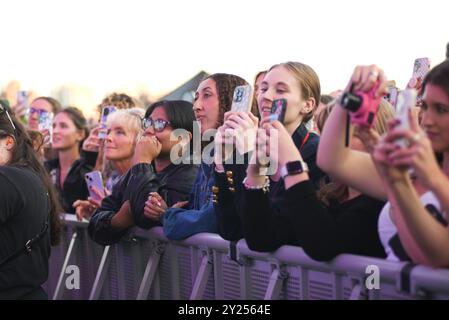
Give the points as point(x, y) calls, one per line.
point(265, 187)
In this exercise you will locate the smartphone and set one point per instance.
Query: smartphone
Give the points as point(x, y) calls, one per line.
point(420, 68)
point(46, 126)
point(22, 99)
point(105, 112)
point(242, 99)
point(406, 100)
point(392, 96)
point(94, 179)
point(278, 108)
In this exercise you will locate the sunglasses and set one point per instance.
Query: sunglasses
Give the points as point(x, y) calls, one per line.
point(2, 111)
point(158, 124)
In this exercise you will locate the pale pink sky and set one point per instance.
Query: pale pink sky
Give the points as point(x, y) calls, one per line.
point(102, 46)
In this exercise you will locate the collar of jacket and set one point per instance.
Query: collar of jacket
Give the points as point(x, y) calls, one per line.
point(299, 135)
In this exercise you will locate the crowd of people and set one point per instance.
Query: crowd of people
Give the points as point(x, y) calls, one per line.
point(320, 178)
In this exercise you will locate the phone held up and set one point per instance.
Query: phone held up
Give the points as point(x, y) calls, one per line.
point(406, 100)
point(278, 109)
point(105, 112)
point(46, 126)
point(242, 99)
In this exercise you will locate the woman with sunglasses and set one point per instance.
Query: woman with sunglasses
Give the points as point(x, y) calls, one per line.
point(29, 209)
point(152, 171)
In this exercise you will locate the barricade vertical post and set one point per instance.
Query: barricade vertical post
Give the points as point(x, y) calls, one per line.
point(218, 276)
point(203, 275)
point(59, 291)
point(101, 274)
point(150, 270)
point(278, 275)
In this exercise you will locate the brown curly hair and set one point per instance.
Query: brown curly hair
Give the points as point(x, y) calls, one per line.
point(225, 84)
point(118, 100)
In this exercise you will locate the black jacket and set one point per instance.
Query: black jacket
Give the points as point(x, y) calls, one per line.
point(322, 231)
point(74, 187)
point(173, 184)
point(231, 219)
point(24, 209)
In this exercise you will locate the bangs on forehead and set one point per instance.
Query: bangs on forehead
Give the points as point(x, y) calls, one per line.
point(128, 119)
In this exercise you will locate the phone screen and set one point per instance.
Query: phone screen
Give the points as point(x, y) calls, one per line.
point(103, 132)
point(278, 109)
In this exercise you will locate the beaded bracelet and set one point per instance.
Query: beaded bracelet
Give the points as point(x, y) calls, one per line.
point(265, 187)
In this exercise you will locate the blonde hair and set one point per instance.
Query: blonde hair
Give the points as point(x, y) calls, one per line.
point(336, 191)
point(384, 113)
point(128, 118)
point(321, 117)
point(308, 82)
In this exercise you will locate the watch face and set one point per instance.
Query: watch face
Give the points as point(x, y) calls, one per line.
point(294, 167)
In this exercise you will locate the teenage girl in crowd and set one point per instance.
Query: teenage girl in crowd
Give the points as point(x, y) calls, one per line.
point(299, 85)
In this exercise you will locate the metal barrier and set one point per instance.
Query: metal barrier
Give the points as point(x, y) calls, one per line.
point(146, 265)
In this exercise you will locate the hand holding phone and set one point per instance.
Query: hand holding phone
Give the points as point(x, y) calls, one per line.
point(95, 186)
point(392, 95)
point(406, 100)
point(105, 112)
point(46, 126)
point(278, 109)
point(242, 99)
point(21, 107)
point(421, 67)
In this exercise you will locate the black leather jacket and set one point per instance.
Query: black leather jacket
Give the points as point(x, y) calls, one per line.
point(173, 184)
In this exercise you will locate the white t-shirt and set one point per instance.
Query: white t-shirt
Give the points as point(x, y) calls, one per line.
point(387, 229)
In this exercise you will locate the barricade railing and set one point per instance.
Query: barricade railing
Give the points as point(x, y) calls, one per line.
point(146, 265)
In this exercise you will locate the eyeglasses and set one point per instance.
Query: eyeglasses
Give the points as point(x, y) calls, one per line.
point(158, 124)
point(40, 112)
point(2, 111)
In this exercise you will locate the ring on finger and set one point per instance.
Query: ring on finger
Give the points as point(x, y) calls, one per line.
point(373, 76)
point(416, 137)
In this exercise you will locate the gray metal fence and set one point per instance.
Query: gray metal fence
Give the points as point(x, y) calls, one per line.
point(146, 265)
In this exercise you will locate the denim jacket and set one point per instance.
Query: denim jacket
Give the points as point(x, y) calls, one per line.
point(199, 214)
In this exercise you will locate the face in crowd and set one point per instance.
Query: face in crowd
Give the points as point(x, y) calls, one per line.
point(120, 142)
point(206, 105)
point(282, 83)
point(435, 117)
point(36, 107)
point(66, 135)
point(159, 126)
